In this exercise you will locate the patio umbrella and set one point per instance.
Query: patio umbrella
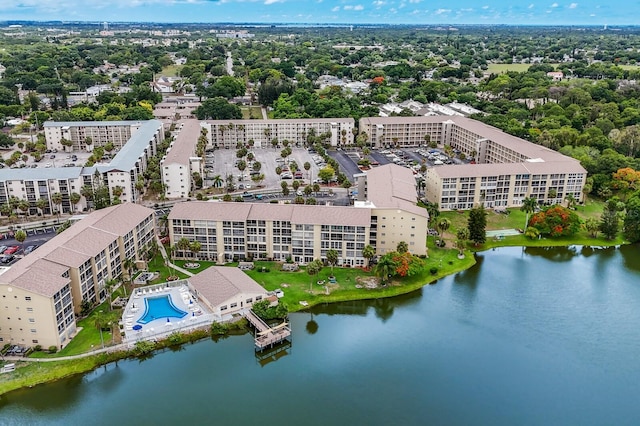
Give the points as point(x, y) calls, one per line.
point(137, 327)
point(168, 320)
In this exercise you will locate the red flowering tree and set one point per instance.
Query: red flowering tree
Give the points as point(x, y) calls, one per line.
point(556, 221)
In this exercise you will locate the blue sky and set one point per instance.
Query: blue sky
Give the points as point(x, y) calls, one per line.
point(593, 12)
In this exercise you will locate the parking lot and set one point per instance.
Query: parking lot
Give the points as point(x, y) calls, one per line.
point(52, 159)
point(223, 163)
point(35, 238)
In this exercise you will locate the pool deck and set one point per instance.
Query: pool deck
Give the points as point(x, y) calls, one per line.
point(181, 297)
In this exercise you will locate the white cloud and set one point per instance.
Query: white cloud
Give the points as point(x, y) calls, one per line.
point(358, 7)
point(442, 11)
point(273, 1)
point(379, 3)
point(531, 6)
point(573, 5)
point(485, 7)
point(335, 8)
point(555, 5)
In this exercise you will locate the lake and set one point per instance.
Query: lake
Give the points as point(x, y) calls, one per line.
point(527, 336)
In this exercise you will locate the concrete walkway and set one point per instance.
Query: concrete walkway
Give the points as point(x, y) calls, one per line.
point(503, 233)
point(121, 346)
point(168, 262)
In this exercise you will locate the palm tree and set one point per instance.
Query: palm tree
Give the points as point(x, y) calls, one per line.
point(163, 223)
point(56, 198)
point(461, 242)
point(218, 181)
point(42, 204)
point(332, 258)
point(74, 199)
point(108, 286)
point(23, 206)
point(528, 206)
point(385, 268)
point(100, 320)
point(571, 200)
point(368, 252)
point(442, 225)
point(313, 268)
point(195, 247)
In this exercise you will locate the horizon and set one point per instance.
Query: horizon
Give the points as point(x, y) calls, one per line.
point(328, 12)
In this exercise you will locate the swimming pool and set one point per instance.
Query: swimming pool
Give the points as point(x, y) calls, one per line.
point(160, 307)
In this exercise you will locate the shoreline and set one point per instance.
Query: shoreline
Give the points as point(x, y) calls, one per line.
point(89, 361)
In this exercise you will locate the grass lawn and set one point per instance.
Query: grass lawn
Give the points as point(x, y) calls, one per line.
point(516, 219)
point(253, 112)
point(203, 265)
point(88, 338)
point(501, 68)
point(171, 70)
point(157, 265)
point(300, 286)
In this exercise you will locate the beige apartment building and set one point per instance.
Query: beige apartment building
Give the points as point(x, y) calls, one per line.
point(181, 162)
point(507, 169)
point(99, 132)
point(390, 193)
point(227, 133)
point(386, 215)
point(42, 293)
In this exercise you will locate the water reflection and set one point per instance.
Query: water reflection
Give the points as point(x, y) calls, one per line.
point(555, 254)
point(273, 354)
point(630, 255)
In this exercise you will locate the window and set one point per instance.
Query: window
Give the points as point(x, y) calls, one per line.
point(234, 305)
point(27, 298)
point(223, 307)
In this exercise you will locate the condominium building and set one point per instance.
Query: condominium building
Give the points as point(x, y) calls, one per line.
point(42, 293)
point(86, 135)
point(386, 215)
point(227, 133)
point(122, 171)
point(390, 193)
point(233, 231)
point(180, 162)
point(504, 171)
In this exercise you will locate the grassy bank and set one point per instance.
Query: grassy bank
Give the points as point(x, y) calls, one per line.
point(351, 283)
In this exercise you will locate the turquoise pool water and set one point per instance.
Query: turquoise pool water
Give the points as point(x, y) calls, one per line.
point(160, 307)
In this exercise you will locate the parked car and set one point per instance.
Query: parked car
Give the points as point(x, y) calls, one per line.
point(3, 248)
point(7, 259)
point(29, 249)
point(12, 250)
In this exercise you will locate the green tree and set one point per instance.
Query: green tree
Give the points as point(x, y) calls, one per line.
point(74, 199)
point(326, 173)
point(402, 247)
point(332, 258)
point(592, 225)
point(477, 224)
point(313, 269)
point(631, 227)
point(461, 240)
point(529, 206)
point(217, 109)
point(610, 219)
point(385, 268)
point(443, 224)
point(56, 199)
point(368, 252)
point(20, 237)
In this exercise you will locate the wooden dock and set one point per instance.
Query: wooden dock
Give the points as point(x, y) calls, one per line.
point(265, 336)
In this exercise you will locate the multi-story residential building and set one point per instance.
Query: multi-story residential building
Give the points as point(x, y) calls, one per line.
point(504, 171)
point(42, 293)
point(227, 133)
point(122, 171)
point(181, 162)
point(390, 193)
point(386, 215)
point(175, 109)
point(99, 133)
point(232, 231)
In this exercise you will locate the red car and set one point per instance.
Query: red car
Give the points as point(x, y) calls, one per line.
point(12, 250)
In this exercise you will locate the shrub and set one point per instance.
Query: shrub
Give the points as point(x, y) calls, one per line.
point(433, 270)
point(219, 329)
point(37, 348)
point(175, 338)
point(143, 347)
point(53, 349)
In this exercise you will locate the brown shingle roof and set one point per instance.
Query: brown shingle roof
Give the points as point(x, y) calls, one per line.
point(295, 213)
point(393, 186)
point(77, 244)
point(218, 284)
point(43, 277)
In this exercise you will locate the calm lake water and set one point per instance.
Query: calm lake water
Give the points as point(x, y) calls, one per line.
point(533, 336)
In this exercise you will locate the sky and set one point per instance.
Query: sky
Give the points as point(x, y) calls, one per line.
point(532, 12)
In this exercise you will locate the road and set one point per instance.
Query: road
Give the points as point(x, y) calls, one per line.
point(229, 64)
